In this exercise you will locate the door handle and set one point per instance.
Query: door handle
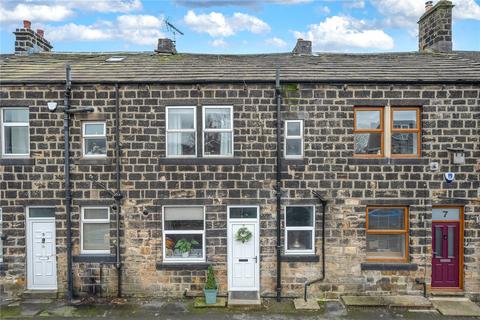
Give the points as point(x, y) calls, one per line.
point(256, 261)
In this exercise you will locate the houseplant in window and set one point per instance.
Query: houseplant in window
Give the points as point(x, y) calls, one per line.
point(184, 247)
point(210, 290)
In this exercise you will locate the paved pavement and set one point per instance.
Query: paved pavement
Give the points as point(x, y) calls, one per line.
point(183, 310)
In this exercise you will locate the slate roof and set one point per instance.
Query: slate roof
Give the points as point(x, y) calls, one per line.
point(149, 67)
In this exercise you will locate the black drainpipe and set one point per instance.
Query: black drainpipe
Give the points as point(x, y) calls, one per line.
point(308, 283)
point(118, 194)
point(278, 188)
point(68, 191)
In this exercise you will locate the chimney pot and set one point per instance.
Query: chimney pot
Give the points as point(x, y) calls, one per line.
point(166, 46)
point(27, 24)
point(303, 47)
point(428, 5)
point(41, 33)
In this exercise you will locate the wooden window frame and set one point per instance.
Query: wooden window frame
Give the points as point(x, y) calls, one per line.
point(381, 131)
point(417, 130)
point(399, 231)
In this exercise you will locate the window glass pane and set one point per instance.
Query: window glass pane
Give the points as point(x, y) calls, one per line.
point(183, 246)
point(294, 129)
point(181, 143)
point(451, 238)
point(404, 143)
point(217, 118)
point(41, 212)
point(299, 216)
point(386, 219)
point(438, 242)
point(16, 140)
point(243, 213)
point(299, 240)
point(183, 218)
point(15, 115)
point(96, 236)
point(446, 214)
point(368, 119)
point(405, 119)
point(293, 147)
point(181, 118)
point(91, 213)
point(218, 143)
point(368, 143)
point(95, 146)
point(385, 245)
point(94, 128)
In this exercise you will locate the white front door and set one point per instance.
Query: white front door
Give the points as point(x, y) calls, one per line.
point(41, 253)
point(243, 256)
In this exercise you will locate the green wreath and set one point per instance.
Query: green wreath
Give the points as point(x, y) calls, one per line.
point(243, 234)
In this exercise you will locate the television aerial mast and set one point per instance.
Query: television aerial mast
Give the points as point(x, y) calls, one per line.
point(174, 30)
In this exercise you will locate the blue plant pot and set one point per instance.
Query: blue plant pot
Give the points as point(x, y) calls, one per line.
point(210, 296)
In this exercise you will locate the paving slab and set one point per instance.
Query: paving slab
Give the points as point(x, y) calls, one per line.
point(30, 310)
point(310, 304)
point(456, 307)
point(408, 302)
point(200, 303)
point(364, 301)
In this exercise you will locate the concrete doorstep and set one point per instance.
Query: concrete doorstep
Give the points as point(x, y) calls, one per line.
point(456, 307)
point(310, 304)
point(411, 302)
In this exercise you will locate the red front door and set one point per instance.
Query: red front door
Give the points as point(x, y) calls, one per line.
point(445, 261)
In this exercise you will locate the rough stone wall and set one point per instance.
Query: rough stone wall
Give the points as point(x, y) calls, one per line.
point(435, 28)
point(450, 118)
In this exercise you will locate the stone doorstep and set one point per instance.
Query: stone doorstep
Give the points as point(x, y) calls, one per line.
point(200, 303)
point(454, 307)
point(310, 304)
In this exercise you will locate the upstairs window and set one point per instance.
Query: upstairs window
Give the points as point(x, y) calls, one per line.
point(183, 234)
point(94, 139)
point(15, 132)
point(293, 139)
point(405, 132)
point(181, 132)
point(300, 229)
point(95, 230)
point(368, 130)
point(218, 131)
point(387, 233)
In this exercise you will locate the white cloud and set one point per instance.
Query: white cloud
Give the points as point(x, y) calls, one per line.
point(339, 33)
point(276, 42)
point(34, 12)
point(323, 10)
point(466, 9)
point(356, 4)
point(135, 29)
point(216, 24)
point(218, 43)
point(240, 3)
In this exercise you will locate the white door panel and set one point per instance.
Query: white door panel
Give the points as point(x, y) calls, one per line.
point(42, 273)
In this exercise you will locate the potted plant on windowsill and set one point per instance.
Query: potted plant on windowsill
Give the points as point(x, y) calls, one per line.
point(210, 290)
point(185, 247)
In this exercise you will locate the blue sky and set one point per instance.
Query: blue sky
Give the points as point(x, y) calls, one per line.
point(232, 26)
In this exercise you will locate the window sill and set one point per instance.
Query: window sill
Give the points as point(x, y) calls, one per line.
point(17, 162)
point(93, 161)
point(388, 266)
point(182, 266)
point(199, 161)
point(387, 161)
point(3, 266)
point(300, 258)
point(95, 258)
point(294, 161)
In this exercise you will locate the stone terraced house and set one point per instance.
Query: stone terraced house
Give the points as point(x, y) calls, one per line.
point(357, 171)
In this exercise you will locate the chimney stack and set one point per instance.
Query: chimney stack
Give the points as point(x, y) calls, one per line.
point(166, 46)
point(28, 41)
point(303, 47)
point(435, 27)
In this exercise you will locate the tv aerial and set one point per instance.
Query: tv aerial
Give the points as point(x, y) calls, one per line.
point(171, 28)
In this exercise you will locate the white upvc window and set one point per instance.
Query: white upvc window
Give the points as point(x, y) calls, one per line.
point(218, 131)
point(183, 234)
point(94, 139)
point(293, 139)
point(181, 132)
point(95, 230)
point(299, 230)
point(15, 132)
